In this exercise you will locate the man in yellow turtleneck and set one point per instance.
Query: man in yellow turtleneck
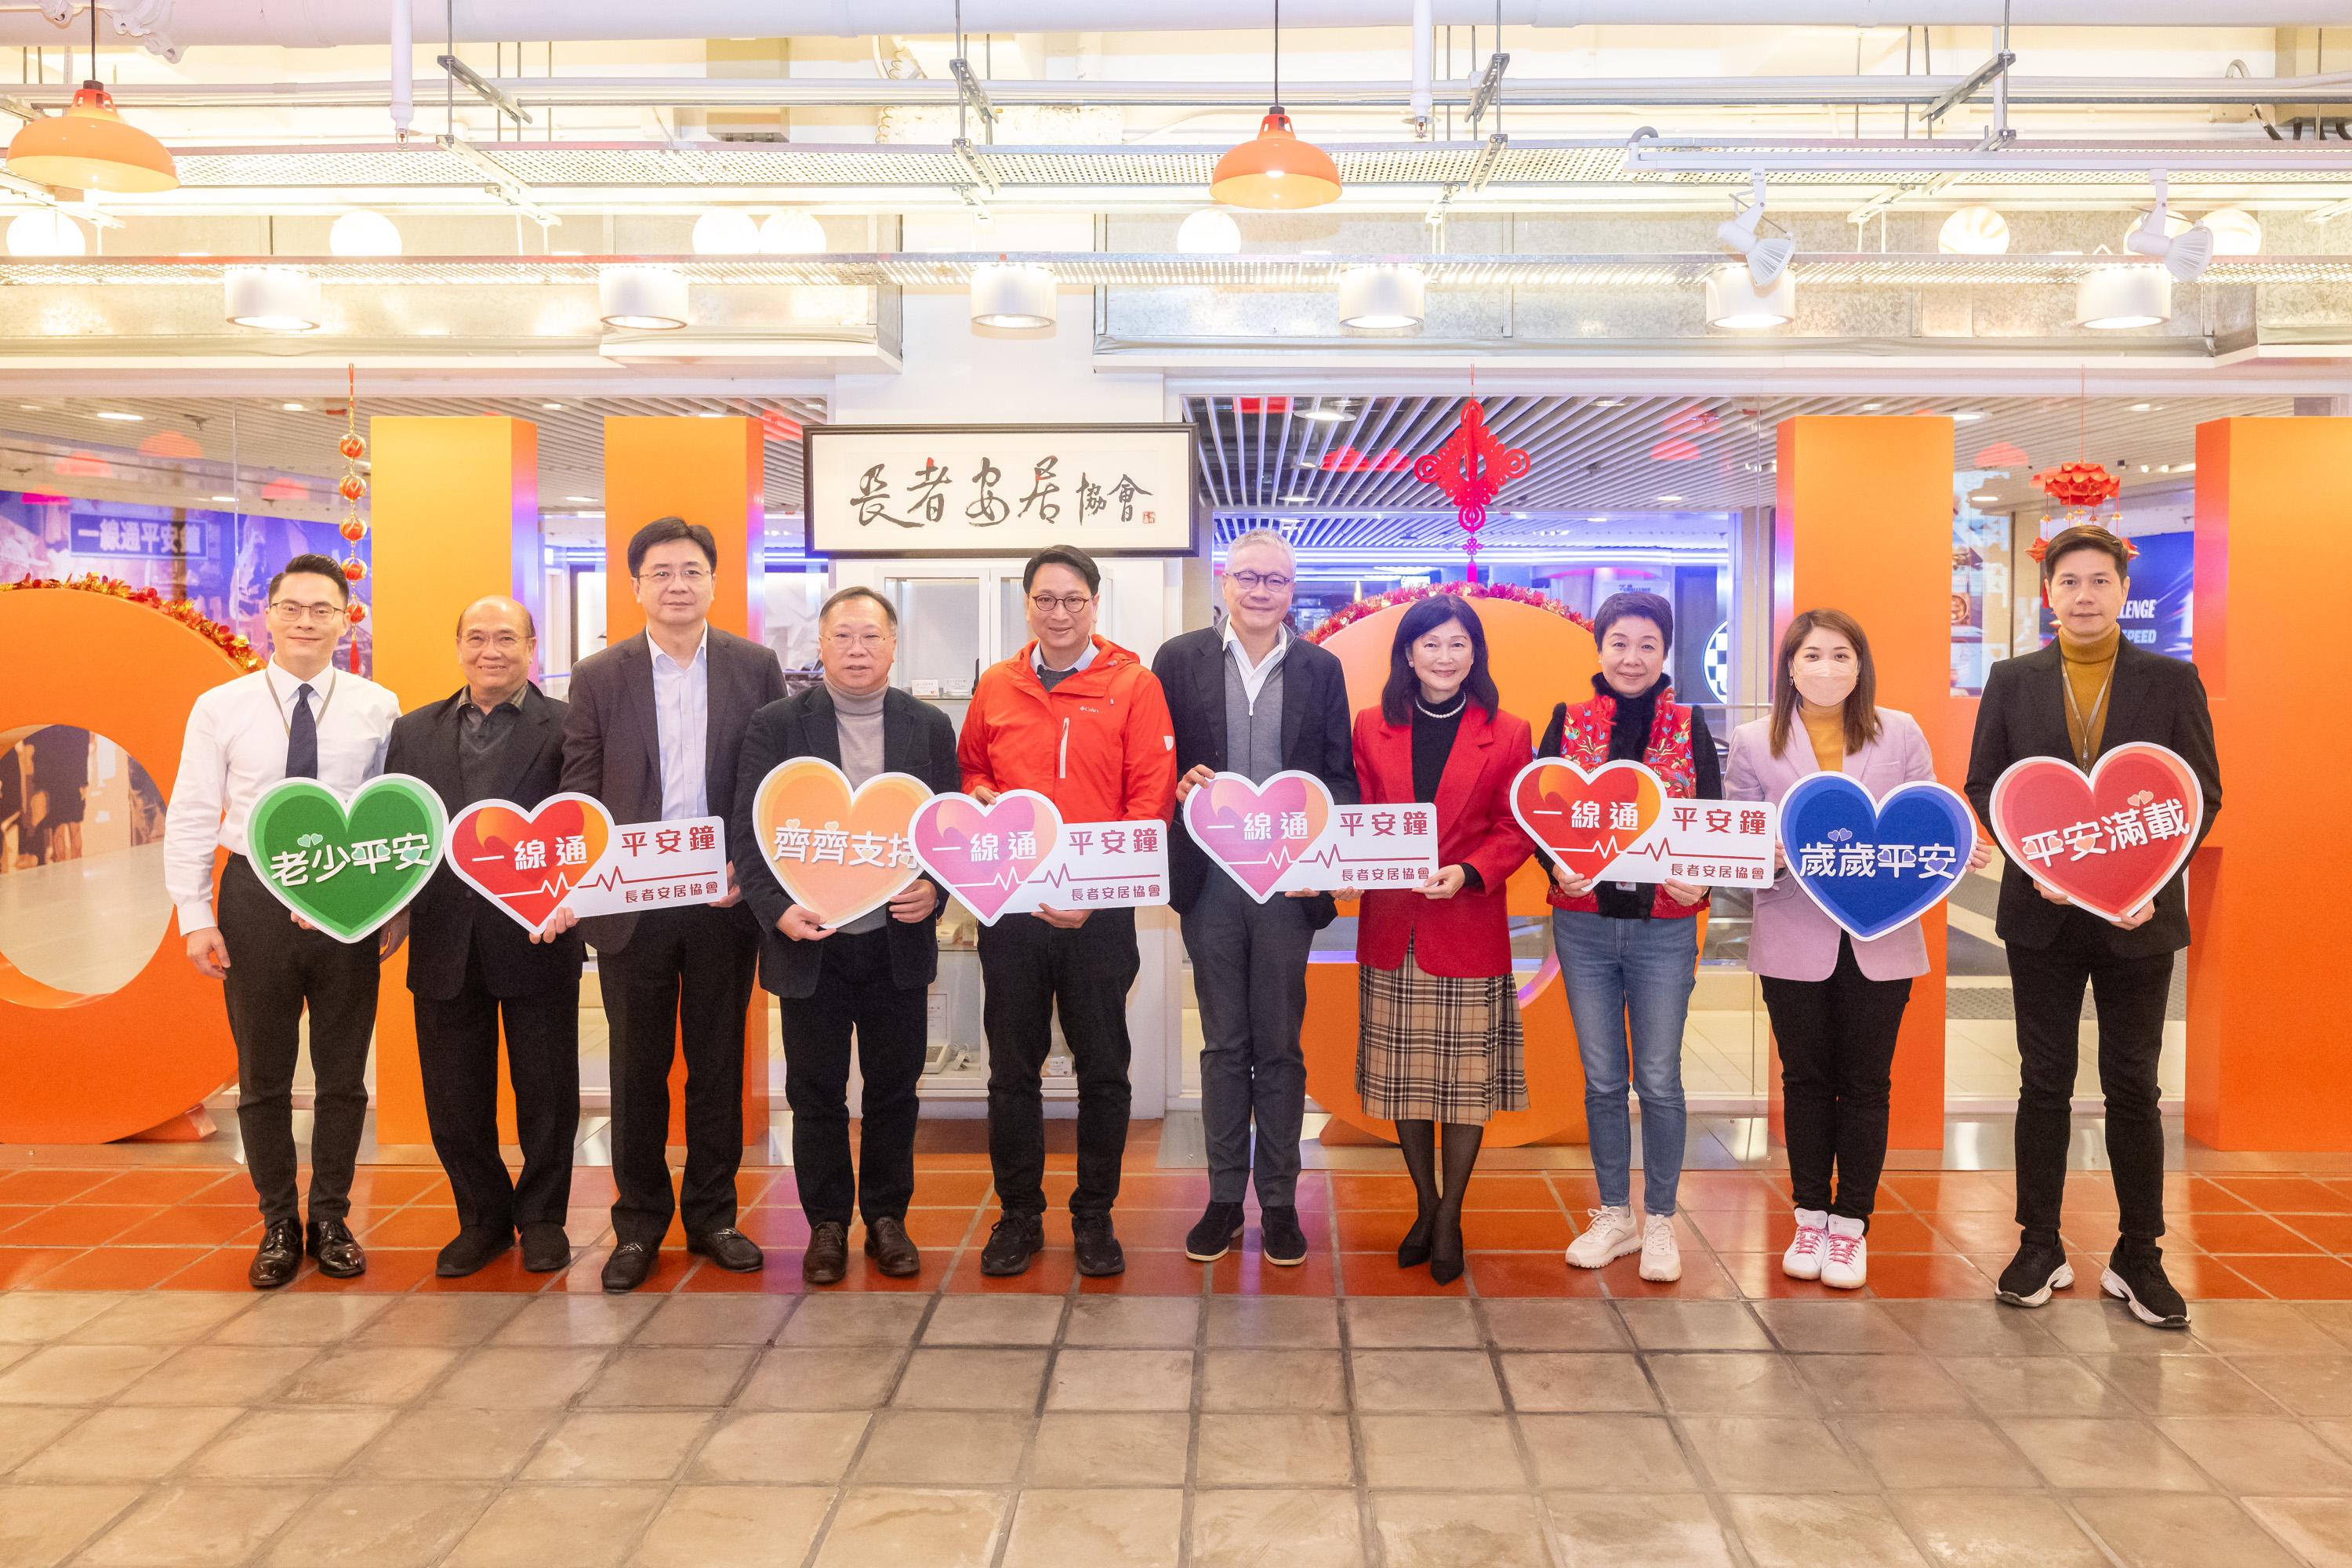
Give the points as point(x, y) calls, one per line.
point(2091, 691)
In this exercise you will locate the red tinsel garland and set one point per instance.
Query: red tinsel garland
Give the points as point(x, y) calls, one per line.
point(1351, 613)
point(230, 642)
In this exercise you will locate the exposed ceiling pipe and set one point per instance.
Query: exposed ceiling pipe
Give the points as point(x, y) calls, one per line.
point(312, 23)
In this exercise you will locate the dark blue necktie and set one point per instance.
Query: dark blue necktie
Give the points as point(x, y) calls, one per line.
point(303, 738)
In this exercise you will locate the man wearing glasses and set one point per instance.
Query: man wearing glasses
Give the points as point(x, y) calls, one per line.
point(297, 717)
point(1250, 698)
point(654, 728)
point(1081, 722)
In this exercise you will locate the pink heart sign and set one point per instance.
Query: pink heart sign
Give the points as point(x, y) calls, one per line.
point(982, 854)
point(1257, 832)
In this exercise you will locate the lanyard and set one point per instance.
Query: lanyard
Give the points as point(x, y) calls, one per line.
point(2084, 749)
point(278, 708)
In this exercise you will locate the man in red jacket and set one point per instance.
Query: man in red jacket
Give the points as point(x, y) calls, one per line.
point(1081, 722)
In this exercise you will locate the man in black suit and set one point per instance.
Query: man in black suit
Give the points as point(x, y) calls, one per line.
point(870, 976)
point(656, 726)
point(472, 968)
point(1250, 698)
point(2084, 694)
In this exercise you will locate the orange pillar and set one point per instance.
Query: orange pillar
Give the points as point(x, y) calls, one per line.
point(713, 472)
point(1864, 524)
point(455, 516)
point(2268, 988)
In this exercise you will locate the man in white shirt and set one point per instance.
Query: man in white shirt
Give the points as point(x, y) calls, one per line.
point(297, 717)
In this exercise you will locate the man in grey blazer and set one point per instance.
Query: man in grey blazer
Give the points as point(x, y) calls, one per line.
point(655, 730)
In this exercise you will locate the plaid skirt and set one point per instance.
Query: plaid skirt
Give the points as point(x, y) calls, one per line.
point(1438, 1048)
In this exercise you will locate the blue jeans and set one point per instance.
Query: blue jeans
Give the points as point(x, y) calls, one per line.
point(1646, 968)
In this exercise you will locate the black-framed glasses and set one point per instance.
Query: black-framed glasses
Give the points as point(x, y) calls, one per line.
point(1068, 604)
point(1251, 581)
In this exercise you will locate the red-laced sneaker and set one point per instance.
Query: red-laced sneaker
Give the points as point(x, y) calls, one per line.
point(1803, 1258)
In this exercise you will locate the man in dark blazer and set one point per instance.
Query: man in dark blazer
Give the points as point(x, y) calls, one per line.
point(655, 732)
point(2086, 693)
point(869, 977)
point(473, 969)
point(1250, 698)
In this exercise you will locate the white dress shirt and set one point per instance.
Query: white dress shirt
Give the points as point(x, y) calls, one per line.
point(1254, 675)
point(236, 748)
point(682, 715)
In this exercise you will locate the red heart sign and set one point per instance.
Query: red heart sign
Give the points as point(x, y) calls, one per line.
point(2108, 841)
point(1586, 820)
point(527, 859)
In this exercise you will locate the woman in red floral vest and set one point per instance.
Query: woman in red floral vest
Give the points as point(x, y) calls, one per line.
point(1630, 950)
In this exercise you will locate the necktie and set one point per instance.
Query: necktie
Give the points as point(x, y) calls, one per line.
point(303, 738)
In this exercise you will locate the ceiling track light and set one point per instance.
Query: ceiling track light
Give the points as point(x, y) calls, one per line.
point(642, 298)
point(1734, 302)
point(2185, 255)
point(1013, 299)
point(2112, 298)
point(272, 299)
point(1768, 258)
point(1383, 299)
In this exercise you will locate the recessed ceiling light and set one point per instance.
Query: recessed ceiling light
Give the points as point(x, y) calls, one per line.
point(1872, 407)
point(1984, 497)
point(225, 501)
point(1670, 499)
point(1596, 520)
point(1608, 402)
point(30, 407)
point(1297, 496)
point(1332, 413)
point(291, 407)
point(712, 414)
point(582, 500)
point(2184, 468)
point(2141, 408)
point(123, 414)
point(1966, 414)
point(550, 405)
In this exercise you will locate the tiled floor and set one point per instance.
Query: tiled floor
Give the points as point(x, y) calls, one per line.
point(152, 1412)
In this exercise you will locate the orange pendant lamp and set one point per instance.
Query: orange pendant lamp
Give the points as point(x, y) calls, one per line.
point(1275, 171)
point(91, 148)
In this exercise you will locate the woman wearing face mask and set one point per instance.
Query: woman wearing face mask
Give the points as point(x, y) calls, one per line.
point(1836, 1004)
point(1441, 1039)
point(1631, 949)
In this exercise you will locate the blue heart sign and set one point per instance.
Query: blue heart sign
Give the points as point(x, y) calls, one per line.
point(1875, 865)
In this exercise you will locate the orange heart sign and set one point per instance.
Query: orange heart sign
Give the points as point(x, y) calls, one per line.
point(838, 853)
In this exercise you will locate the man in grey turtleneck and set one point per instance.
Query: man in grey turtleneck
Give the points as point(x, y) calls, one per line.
point(868, 980)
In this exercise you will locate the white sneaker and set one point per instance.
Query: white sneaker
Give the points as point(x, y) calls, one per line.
point(1612, 1235)
point(1803, 1258)
point(1848, 1263)
point(1662, 1258)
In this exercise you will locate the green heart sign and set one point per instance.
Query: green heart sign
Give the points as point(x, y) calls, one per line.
point(347, 866)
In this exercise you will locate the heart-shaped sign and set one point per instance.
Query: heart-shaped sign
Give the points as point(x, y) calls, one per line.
point(1876, 865)
point(1585, 820)
point(527, 859)
point(1256, 831)
point(346, 865)
point(839, 852)
point(2108, 841)
point(981, 853)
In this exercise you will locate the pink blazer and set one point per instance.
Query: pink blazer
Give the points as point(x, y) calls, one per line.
point(1792, 939)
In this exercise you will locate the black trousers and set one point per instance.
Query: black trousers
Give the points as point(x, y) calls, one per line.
point(1837, 1052)
point(1029, 969)
point(457, 1055)
point(276, 968)
point(682, 985)
point(2128, 995)
point(854, 998)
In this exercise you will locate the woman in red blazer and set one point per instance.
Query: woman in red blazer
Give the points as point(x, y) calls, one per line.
point(1441, 1039)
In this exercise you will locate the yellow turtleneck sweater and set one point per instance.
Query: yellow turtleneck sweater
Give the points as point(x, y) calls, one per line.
point(2088, 666)
point(1826, 731)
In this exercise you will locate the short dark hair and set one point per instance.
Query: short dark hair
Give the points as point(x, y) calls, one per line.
point(2086, 536)
point(661, 530)
point(1628, 606)
point(858, 591)
point(1068, 555)
point(529, 625)
point(315, 565)
point(1421, 618)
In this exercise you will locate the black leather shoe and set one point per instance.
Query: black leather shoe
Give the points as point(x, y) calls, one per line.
point(1220, 1227)
point(546, 1247)
point(278, 1258)
point(2135, 1276)
point(827, 1257)
point(627, 1267)
point(888, 1244)
point(1284, 1242)
point(1016, 1239)
point(731, 1249)
point(2039, 1267)
point(330, 1241)
point(1098, 1249)
point(473, 1250)
point(1414, 1250)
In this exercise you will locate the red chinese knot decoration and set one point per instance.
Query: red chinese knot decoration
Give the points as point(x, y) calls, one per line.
point(1472, 468)
point(2079, 485)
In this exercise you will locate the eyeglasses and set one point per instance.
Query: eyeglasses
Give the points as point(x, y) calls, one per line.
point(325, 615)
point(1068, 604)
point(856, 642)
point(475, 641)
point(1251, 581)
point(663, 577)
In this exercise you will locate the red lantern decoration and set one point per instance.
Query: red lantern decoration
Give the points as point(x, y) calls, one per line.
point(354, 530)
point(354, 569)
point(2079, 484)
point(352, 488)
point(350, 445)
point(358, 612)
point(1472, 468)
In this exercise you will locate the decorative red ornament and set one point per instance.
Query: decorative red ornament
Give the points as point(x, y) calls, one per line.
point(2040, 547)
point(354, 530)
point(354, 569)
point(1348, 615)
point(352, 488)
point(229, 641)
point(350, 445)
point(1472, 468)
point(358, 612)
point(2079, 484)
